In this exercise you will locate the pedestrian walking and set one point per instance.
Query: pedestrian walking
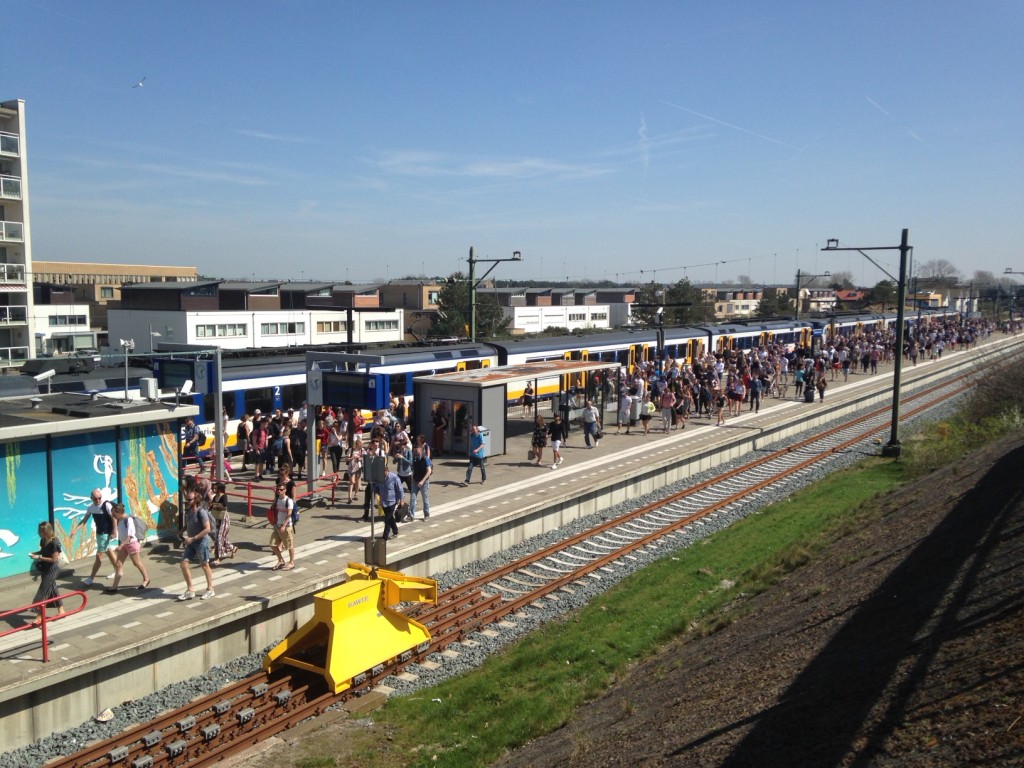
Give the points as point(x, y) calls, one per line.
point(194, 439)
point(556, 431)
point(196, 537)
point(477, 455)
point(390, 495)
point(355, 470)
point(100, 512)
point(667, 401)
point(46, 564)
point(422, 469)
point(625, 403)
point(283, 536)
point(540, 438)
point(129, 547)
point(591, 424)
point(223, 548)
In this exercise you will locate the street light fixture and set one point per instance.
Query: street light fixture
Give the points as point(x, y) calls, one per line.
point(128, 345)
point(474, 283)
point(810, 278)
point(893, 448)
point(1013, 301)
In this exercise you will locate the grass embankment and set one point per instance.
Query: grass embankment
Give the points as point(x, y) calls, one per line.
point(533, 686)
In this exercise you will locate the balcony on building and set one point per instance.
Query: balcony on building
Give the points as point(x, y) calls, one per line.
point(12, 274)
point(10, 187)
point(10, 144)
point(12, 232)
point(13, 314)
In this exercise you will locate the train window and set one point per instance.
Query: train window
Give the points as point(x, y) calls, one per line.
point(209, 407)
point(261, 398)
point(292, 396)
point(230, 403)
point(399, 381)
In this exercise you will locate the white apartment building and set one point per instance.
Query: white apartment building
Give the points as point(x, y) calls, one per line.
point(61, 328)
point(232, 329)
point(16, 327)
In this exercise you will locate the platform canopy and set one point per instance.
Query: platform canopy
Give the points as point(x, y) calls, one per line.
point(481, 396)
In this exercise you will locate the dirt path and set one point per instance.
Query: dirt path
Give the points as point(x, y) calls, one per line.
point(903, 646)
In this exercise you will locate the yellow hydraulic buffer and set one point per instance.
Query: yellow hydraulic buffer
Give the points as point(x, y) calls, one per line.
point(354, 631)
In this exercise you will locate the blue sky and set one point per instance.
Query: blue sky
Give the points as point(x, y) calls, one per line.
point(365, 141)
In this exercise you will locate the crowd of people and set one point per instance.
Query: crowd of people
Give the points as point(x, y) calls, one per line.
point(666, 396)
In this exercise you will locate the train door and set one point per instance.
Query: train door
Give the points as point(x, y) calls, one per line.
point(581, 377)
point(724, 343)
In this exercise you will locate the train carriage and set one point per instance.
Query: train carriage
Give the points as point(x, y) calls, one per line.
point(617, 348)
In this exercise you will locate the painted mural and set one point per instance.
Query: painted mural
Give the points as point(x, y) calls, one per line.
point(24, 503)
point(150, 482)
point(147, 485)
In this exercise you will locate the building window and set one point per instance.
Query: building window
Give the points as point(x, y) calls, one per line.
point(106, 292)
point(67, 319)
point(599, 316)
point(433, 297)
point(331, 326)
point(381, 325)
point(577, 317)
point(221, 330)
point(282, 329)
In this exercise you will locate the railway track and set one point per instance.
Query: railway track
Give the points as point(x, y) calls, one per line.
point(233, 719)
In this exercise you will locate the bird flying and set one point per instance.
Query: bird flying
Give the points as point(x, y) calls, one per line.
point(140, 83)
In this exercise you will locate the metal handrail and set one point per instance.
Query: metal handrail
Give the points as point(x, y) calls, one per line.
point(44, 619)
point(330, 482)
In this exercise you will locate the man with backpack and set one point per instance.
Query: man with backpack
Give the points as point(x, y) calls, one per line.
point(197, 539)
point(102, 516)
point(194, 439)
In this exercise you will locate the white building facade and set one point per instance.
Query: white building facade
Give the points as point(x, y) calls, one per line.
point(253, 329)
point(534, 319)
point(17, 332)
point(61, 328)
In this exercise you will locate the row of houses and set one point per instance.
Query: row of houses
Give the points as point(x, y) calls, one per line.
point(86, 306)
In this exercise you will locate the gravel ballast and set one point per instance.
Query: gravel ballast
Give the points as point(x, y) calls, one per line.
point(472, 655)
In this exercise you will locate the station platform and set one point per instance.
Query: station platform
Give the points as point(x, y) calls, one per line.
point(126, 645)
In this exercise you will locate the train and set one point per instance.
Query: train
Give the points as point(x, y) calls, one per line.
point(390, 371)
point(268, 383)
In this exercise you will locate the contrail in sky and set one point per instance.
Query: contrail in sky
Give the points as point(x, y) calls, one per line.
point(885, 112)
point(728, 125)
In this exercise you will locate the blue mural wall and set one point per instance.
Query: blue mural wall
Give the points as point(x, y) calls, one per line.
point(24, 503)
point(134, 465)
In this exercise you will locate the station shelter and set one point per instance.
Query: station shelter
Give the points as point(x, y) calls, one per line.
point(57, 448)
point(482, 397)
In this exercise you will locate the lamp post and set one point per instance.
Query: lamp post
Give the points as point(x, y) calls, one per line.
point(128, 345)
point(810, 278)
point(474, 283)
point(892, 449)
point(1013, 301)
